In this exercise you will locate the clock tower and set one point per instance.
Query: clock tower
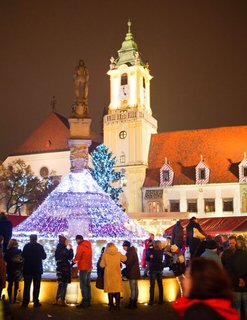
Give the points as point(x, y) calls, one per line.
point(129, 123)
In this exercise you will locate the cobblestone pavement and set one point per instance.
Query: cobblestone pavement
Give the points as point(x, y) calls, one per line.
point(97, 311)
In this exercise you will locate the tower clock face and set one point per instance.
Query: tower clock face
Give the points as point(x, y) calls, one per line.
point(123, 92)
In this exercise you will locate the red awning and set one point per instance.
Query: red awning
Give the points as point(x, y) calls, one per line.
point(15, 220)
point(242, 228)
point(221, 225)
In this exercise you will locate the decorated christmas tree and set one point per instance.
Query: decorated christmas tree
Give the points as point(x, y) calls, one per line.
point(104, 173)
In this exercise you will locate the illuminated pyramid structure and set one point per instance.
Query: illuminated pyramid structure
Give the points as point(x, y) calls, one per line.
point(78, 205)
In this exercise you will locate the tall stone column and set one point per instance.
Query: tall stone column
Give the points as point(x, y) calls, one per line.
point(79, 121)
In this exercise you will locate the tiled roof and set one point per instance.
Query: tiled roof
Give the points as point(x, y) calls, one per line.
point(222, 150)
point(52, 135)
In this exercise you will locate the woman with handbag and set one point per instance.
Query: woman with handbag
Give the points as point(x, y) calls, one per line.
point(14, 260)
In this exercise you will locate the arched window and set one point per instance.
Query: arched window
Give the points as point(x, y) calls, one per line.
point(143, 83)
point(124, 79)
point(122, 158)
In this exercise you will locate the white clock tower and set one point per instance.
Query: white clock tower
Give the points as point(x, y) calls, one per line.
point(129, 123)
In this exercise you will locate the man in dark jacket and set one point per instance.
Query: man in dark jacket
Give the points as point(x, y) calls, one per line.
point(193, 242)
point(133, 273)
point(155, 256)
point(234, 260)
point(33, 254)
point(178, 235)
point(5, 230)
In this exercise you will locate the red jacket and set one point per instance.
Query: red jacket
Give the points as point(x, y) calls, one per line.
point(221, 306)
point(83, 256)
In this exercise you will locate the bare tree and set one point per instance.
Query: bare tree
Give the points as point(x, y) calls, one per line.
point(19, 187)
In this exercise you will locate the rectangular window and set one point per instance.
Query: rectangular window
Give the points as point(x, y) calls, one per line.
point(174, 206)
point(153, 206)
point(245, 171)
point(157, 207)
point(192, 205)
point(202, 174)
point(122, 158)
point(228, 205)
point(209, 205)
point(166, 175)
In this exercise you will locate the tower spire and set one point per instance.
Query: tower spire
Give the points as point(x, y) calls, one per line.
point(127, 53)
point(129, 25)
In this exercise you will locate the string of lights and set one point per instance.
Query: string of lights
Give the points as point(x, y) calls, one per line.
point(79, 206)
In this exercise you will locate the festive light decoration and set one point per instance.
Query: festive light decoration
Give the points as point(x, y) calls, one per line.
point(104, 173)
point(78, 206)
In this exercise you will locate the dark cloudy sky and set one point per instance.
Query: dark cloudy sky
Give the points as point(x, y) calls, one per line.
point(196, 49)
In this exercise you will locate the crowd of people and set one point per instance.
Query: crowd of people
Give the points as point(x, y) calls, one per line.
point(212, 273)
point(216, 267)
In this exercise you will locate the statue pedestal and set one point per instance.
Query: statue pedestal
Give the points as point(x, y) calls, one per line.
point(79, 154)
point(79, 143)
point(80, 128)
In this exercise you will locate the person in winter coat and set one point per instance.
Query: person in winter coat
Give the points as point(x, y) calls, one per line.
point(63, 255)
point(168, 253)
point(147, 243)
point(2, 273)
point(14, 260)
point(237, 270)
point(178, 265)
point(83, 258)
point(133, 273)
point(193, 241)
point(207, 293)
point(33, 254)
point(178, 235)
point(155, 257)
point(211, 251)
point(100, 272)
point(111, 260)
point(5, 230)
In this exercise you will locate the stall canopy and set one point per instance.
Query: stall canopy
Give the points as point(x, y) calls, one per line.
point(213, 226)
point(15, 220)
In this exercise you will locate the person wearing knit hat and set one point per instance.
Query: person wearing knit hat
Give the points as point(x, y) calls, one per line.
point(63, 255)
point(211, 251)
point(132, 272)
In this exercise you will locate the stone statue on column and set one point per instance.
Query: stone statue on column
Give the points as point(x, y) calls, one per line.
point(81, 76)
point(79, 121)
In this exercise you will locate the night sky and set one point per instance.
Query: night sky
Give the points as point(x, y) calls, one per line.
point(196, 50)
